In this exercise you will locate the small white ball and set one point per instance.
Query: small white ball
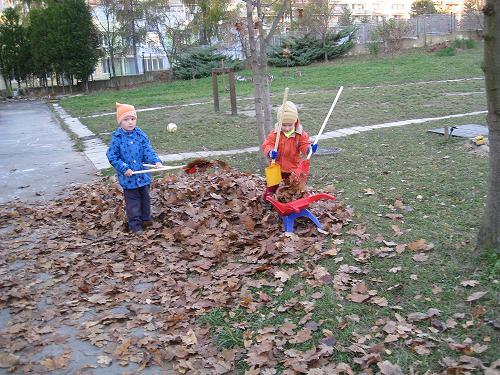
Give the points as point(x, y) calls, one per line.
point(171, 128)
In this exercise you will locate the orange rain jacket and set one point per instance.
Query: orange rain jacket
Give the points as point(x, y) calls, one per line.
point(289, 149)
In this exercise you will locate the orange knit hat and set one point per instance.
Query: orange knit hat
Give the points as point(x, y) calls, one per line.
point(124, 110)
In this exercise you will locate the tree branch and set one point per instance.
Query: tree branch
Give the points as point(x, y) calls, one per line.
point(276, 21)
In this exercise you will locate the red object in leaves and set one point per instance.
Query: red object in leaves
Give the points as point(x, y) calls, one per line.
point(301, 173)
point(297, 205)
point(191, 170)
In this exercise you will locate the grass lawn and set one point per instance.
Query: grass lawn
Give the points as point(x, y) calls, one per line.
point(416, 65)
point(442, 187)
point(435, 187)
point(202, 129)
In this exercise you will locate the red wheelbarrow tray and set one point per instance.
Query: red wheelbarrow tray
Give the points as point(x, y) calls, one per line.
point(297, 205)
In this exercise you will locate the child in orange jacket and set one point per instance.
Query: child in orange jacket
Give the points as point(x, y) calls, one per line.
point(293, 142)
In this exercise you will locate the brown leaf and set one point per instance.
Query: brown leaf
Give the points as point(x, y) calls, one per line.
point(470, 283)
point(417, 316)
point(417, 245)
point(190, 338)
point(120, 350)
point(394, 216)
point(8, 360)
point(397, 230)
point(420, 257)
point(380, 301)
point(287, 328)
point(388, 368)
point(358, 298)
point(436, 289)
point(369, 191)
point(475, 296)
point(104, 360)
point(55, 363)
point(302, 336)
point(421, 350)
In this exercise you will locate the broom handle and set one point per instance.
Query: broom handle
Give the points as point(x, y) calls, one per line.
point(326, 120)
point(166, 168)
point(280, 121)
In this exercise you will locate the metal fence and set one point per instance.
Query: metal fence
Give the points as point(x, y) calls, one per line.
point(432, 24)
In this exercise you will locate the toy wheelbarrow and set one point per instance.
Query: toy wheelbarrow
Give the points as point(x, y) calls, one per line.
point(291, 211)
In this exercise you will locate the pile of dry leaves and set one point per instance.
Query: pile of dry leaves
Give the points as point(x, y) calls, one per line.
point(214, 243)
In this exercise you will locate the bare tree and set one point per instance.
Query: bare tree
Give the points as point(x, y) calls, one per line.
point(105, 18)
point(171, 26)
point(259, 38)
point(489, 235)
point(392, 32)
point(130, 16)
point(472, 19)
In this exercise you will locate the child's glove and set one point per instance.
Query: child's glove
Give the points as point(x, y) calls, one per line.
point(273, 154)
point(313, 148)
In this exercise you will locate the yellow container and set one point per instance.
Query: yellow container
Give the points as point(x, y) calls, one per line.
point(273, 174)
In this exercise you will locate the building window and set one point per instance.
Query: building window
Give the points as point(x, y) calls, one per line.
point(105, 69)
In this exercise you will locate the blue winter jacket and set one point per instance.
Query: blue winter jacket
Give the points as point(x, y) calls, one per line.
point(128, 150)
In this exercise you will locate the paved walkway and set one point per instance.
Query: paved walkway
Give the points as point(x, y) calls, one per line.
point(37, 159)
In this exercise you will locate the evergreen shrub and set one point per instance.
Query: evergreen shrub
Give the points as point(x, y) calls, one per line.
point(199, 62)
point(308, 49)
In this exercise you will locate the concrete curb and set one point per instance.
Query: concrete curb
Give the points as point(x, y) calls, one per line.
point(94, 148)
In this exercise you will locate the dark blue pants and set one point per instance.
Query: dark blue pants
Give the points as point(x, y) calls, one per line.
point(137, 206)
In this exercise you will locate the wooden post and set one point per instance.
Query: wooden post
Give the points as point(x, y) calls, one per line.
point(232, 93)
point(446, 132)
point(216, 90)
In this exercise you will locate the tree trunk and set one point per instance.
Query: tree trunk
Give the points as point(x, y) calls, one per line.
point(111, 61)
point(5, 82)
point(268, 114)
point(257, 80)
point(489, 235)
point(258, 61)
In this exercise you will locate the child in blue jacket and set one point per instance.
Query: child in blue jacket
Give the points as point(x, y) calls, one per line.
point(128, 150)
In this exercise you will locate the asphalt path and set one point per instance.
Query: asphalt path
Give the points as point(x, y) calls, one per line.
point(38, 161)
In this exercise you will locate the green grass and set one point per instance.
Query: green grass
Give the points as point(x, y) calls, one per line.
point(441, 180)
point(399, 163)
point(416, 65)
point(199, 128)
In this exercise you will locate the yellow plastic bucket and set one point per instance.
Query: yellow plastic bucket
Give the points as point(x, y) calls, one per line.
point(273, 174)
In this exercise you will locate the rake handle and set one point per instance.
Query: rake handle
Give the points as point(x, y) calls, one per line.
point(280, 119)
point(166, 168)
point(326, 120)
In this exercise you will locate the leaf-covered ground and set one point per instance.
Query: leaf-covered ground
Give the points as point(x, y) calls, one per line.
point(215, 251)
point(71, 263)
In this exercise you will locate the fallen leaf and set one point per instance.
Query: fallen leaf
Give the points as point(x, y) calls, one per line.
point(421, 350)
point(190, 338)
point(388, 368)
point(420, 257)
point(302, 336)
point(475, 296)
point(104, 360)
point(8, 360)
point(358, 298)
point(469, 283)
point(369, 191)
point(417, 245)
